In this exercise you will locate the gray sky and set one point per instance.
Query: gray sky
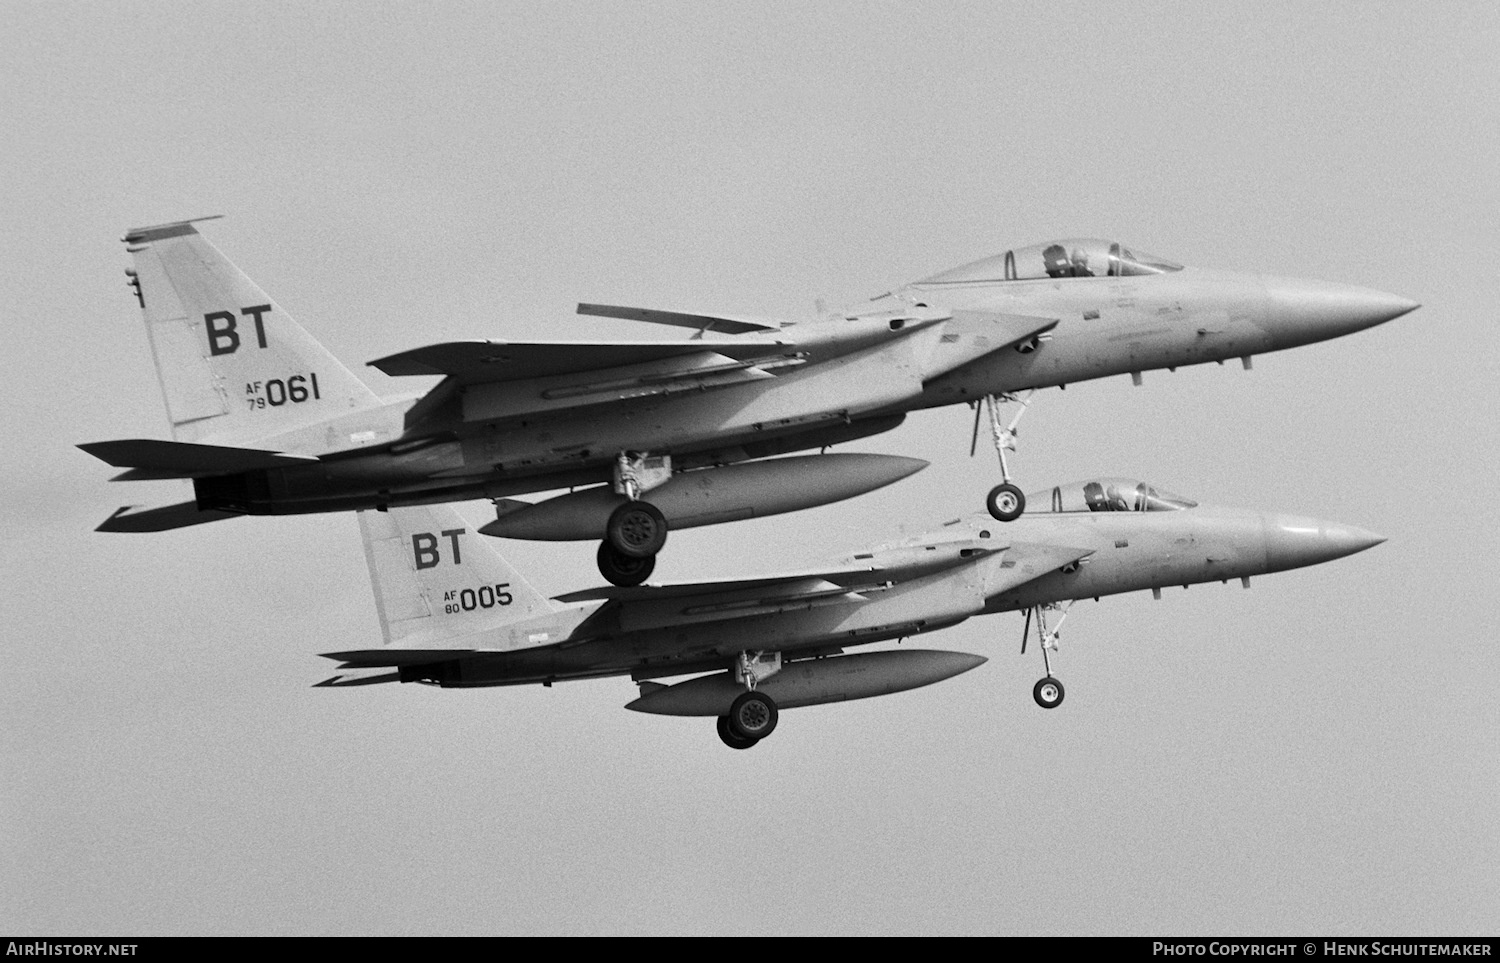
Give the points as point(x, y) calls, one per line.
point(1315, 755)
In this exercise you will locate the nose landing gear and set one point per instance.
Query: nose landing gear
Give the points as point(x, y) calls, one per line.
point(1048, 692)
point(1006, 502)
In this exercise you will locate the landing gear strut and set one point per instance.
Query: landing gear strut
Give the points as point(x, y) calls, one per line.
point(1006, 502)
point(1048, 692)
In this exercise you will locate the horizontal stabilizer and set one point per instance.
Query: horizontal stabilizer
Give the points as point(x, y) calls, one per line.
point(484, 362)
point(145, 474)
point(368, 676)
point(179, 459)
point(721, 323)
point(161, 519)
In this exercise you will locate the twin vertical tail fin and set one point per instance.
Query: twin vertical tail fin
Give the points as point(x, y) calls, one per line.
point(234, 367)
point(437, 580)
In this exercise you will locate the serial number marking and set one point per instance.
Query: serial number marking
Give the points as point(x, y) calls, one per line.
point(485, 597)
point(276, 392)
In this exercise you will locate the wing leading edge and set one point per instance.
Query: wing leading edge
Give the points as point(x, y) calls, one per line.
point(684, 590)
point(721, 323)
point(481, 362)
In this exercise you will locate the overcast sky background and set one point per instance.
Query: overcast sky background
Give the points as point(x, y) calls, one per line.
point(1316, 755)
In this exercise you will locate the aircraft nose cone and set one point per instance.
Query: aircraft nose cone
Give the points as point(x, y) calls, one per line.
point(1307, 311)
point(1293, 542)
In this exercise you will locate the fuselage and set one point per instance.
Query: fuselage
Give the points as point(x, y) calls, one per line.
point(969, 567)
point(955, 344)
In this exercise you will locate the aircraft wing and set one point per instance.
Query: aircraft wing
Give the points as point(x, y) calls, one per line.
point(668, 606)
point(152, 458)
point(789, 584)
point(480, 362)
point(641, 607)
point(726, 323)
point(1018, 563)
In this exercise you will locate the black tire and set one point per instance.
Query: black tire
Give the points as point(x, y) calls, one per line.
point(636, 529)
point(731, 738)
point(623, 570)
point(1048, 693)
point(753, 715)
point(1006, 502)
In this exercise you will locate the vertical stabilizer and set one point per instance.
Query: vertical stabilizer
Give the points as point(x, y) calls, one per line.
point(234, 367)
point(436, 577)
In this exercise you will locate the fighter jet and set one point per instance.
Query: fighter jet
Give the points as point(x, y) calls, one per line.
point(455, 614)
point(661, 434)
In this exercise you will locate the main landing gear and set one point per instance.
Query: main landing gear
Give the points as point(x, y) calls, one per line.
point(1048, 691)
point(753, 715)
point(621, 569)
point(637, 530)
point(1006, 502)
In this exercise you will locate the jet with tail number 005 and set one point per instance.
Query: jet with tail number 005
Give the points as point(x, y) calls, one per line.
point(661, 434)
point(454, 613)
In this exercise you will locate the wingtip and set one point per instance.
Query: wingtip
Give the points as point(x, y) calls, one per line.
point(107, 525)
point(156, 232)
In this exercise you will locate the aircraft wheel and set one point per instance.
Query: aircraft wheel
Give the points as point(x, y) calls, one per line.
point(1048, 693)
point(623, 570)
point(1006, 503)
point(752, 716)
point(731, 738)
point(637, 529)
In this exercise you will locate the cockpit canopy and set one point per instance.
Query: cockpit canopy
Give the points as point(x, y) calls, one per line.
point(1106, 495)
point(1079, 257)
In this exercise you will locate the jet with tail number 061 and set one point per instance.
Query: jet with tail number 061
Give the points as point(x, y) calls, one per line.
point(454, 613)
point(662, 434)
